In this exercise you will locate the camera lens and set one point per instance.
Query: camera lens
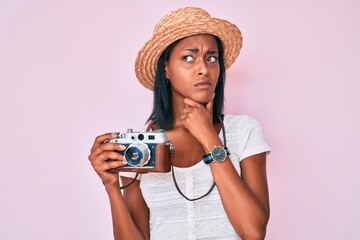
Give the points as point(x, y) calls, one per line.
point(134, 154)
point(137, 154)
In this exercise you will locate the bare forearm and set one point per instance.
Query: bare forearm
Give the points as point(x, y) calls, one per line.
point(123, 224)
point(245, 211)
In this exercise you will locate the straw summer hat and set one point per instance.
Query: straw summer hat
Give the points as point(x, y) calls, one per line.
point(179, 24)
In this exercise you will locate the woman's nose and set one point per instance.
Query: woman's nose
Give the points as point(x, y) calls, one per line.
point(202, 67)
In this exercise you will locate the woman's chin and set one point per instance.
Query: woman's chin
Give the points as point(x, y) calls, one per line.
point(203, 99)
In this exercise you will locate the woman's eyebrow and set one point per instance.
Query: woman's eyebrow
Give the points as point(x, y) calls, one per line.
point(195, 50)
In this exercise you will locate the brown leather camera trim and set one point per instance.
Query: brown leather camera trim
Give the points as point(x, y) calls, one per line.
point(162, 152)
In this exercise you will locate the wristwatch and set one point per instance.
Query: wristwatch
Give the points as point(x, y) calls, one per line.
point(217, 154)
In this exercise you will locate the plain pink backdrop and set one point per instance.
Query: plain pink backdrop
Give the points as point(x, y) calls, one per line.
point(66, 75)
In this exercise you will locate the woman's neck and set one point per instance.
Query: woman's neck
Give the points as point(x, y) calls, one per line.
point(177, 111)
point(178, 107)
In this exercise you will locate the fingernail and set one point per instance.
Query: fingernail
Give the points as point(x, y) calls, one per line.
point(115, 134)
point(122, 147)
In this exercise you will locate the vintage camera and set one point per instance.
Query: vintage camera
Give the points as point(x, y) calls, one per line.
point(145, 151)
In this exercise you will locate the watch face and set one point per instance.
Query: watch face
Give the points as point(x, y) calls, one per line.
point(218, 154)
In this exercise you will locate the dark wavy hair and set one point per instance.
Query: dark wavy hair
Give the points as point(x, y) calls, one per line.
point(162, 112)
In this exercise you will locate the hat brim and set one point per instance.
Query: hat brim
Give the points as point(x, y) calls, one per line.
point(148, 56)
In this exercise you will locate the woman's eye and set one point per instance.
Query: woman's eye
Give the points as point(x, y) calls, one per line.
point(212, 59)
point(188, 58)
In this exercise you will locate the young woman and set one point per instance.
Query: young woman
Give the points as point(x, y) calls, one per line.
point(184, 64)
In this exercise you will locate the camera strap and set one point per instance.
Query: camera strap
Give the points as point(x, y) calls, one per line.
point(172, 166)
point(213, 185)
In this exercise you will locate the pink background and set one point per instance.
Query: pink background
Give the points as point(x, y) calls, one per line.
point(66, 75)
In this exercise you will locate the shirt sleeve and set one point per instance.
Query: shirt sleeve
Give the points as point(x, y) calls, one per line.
point(255, 142)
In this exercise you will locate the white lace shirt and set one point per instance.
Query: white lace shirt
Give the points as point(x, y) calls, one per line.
point(172, 216)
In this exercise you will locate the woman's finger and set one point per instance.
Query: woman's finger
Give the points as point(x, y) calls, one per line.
point(107, 147)
point(106, 161)
point(106, 157)
point(102, 138)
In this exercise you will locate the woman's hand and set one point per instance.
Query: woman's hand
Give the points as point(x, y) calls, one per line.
point(198, 119)
point(104, 158)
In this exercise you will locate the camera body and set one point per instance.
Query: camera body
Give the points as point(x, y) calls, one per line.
point(145, 151)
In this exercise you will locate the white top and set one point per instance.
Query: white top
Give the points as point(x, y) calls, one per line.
point(172, 216)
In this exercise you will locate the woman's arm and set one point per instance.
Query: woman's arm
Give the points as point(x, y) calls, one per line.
point(137, 206)
point(130, 216)
point(129, 222)
point(245, 198)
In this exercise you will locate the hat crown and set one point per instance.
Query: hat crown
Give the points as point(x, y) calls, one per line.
point(179, 24)
point(188, 14)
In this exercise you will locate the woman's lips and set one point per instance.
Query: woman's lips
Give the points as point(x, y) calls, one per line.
point(203, 84)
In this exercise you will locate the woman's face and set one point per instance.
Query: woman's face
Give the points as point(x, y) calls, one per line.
point(193, 68)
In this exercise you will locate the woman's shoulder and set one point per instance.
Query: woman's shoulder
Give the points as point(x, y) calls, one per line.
point(240, 121)
point(245, 136)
